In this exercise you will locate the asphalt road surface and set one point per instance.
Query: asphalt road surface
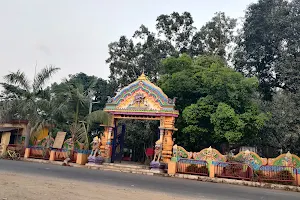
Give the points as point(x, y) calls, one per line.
point(174, 186)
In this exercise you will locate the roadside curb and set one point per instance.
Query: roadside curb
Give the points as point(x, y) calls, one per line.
point(238, 182)
point(181, 176)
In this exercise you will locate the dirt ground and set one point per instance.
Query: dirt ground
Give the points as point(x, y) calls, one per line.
point(26, 187)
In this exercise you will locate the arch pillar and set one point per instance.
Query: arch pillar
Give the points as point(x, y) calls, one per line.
point(167, 127)
point(106, 141)
point(108, 146)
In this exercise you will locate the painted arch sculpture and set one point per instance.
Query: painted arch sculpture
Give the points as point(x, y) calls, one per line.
point(142, 100)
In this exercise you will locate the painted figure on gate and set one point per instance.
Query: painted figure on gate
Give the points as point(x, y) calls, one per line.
point(157, 151)
point(96, 146)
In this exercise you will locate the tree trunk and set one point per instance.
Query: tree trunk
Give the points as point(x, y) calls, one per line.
point(27, 136)
point(77, 112)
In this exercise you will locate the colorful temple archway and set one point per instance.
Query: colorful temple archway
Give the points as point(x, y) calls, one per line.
point(142, 100)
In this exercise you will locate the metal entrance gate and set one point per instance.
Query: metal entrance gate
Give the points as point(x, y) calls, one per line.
point(118, 143)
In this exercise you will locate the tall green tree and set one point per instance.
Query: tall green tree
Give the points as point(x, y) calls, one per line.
point(177, 28)
point(81, 94)
point(176, 35)
point(216, 103)
point(217, 35)
point(282, 131)
point(268, 47)
point(214, 38)
point(75, 95)
point(83, 89)
point(129, 59)
point(102, 90)
point(173, 64)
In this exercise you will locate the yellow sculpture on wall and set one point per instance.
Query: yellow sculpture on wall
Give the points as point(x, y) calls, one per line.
point(139, 100)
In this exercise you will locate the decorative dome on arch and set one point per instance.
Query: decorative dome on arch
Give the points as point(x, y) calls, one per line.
point(141, 98)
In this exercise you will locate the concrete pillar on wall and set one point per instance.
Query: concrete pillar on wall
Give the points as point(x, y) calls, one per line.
point(52, 156)
point(27, 153)
point(161, 134)
point(110, 131)
point(167, 146)
point(23, 135)
point(104, 139)
point(211, 168)
point(108, 147)
point(81, 159)
point(298, 179)
point(172, 168)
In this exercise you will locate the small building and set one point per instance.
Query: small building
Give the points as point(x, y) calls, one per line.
point(14, 133)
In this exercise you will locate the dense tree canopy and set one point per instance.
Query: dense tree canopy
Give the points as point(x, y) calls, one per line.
point(269, 45)
point(216, 102)
point(175, 34)
point(232, 87)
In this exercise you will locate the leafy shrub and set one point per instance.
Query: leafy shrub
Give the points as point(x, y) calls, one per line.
point(232, 159)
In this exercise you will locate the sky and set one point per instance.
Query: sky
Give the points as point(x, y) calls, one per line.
point(74, 35)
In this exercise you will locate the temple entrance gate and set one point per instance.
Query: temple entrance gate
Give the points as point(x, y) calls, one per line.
point(118, 142)
point(141, 100)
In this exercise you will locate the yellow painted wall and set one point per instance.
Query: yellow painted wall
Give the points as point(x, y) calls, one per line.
point(42, 133)
point(5, 141)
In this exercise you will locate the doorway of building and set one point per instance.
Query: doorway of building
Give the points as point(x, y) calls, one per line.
point(134, 140)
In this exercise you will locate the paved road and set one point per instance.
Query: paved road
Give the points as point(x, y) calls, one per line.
point(173, 186)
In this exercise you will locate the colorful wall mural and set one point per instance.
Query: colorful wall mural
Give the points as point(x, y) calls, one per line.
point(250, 158)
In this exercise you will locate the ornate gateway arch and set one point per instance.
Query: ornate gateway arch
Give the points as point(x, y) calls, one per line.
point(142, 100)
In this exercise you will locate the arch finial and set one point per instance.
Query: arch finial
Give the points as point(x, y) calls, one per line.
point(143, 77)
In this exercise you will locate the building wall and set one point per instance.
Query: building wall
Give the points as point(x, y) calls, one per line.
point(5, 141)
point(21, 125)
point(23, 128)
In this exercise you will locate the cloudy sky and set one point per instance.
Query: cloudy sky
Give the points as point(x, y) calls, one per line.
point(73, 34)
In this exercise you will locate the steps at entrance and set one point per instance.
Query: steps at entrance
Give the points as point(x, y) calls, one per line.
point(120, 167)
point(126, 165)
point(1, 149)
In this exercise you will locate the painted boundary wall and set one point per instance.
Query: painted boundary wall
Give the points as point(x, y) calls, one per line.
point(42, 149)
point(214, 159)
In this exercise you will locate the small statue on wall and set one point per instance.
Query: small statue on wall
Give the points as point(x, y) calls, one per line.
point(139, 101)
point(172, 101)
point(96, 146)
point(175, 151)
point(157, 151)
point(288, 160)
point(156, 165)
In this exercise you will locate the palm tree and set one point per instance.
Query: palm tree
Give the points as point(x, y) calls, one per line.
point(79, 131)
point(29, 95)
point(49, 110)
point(99, 116)
point(75, 96)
